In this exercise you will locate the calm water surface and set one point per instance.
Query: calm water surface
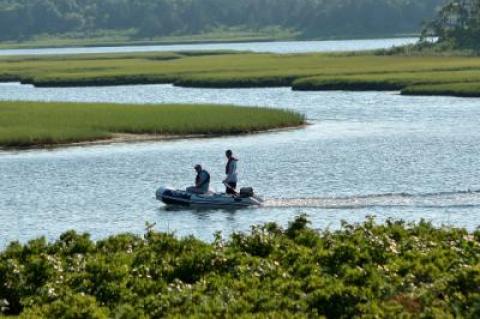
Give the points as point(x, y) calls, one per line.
point(365, 153)
point(274, 47)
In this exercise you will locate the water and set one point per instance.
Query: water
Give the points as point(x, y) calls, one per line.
point(365, 153)
point(275, 47)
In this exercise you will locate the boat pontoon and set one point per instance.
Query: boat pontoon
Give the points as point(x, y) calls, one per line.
point(245, 198)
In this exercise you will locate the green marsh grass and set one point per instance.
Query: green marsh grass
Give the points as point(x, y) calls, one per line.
point(386, 81)
point(348, 71)
point(32, 123)
point(455, 89)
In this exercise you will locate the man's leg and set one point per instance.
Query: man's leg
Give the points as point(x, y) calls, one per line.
point(193, 190)
point(231, 189)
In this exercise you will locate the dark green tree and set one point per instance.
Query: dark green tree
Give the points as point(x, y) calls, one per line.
point(457, 25)
point(21, 19)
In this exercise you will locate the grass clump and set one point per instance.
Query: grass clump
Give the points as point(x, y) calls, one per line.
point(386, 80)
point(451, 89)
point(32, 123)
point(249, 80)
point(346, 84)
point(362, 270)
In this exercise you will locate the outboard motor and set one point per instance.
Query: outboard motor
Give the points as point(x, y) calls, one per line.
point(246, 192)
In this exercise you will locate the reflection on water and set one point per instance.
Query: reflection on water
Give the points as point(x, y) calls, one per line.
point(365, 153)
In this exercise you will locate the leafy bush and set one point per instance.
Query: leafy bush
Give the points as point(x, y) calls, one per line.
point(362, 270)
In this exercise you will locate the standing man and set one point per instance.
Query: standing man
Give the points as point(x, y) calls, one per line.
point(231, 172)
point(202, 181)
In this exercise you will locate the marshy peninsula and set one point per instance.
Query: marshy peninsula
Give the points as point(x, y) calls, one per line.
point(24, 124)
point(428, 74)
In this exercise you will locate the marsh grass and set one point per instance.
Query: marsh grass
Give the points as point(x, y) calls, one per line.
point(31, 123)
point(387, 81)
point(346, 71)
point(455, 89)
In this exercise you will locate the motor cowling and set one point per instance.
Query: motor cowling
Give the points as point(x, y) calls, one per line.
point(246, 192)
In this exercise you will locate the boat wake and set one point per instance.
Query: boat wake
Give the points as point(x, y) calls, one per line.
point(456, 199)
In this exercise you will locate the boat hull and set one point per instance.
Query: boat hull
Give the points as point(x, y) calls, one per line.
point(173, 197)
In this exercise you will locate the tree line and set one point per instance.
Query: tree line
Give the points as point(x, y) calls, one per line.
point(24, 19)
point(457, 25)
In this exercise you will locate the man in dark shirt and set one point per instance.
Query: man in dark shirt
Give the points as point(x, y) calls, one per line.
point(202, 181)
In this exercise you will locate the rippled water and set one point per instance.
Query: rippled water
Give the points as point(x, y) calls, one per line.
point(275, 47)
point(365, 153)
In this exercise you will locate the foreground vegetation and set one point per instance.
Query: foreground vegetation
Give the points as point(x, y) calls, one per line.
point(31, 123)
point(419, 74)
point(394, 270)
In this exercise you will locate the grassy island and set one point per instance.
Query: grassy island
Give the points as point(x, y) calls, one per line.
point(392, 270)
point(32, 123)
point(416, 74)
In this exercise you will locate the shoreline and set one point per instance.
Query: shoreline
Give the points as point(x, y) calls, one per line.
point(146, 43)
point(128, 138)
point(136, 44)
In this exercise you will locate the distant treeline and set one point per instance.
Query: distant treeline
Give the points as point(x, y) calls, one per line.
point(24, 19)
point(457, 25)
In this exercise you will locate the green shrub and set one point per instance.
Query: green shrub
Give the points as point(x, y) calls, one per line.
point(361, 270)
point(76, 306)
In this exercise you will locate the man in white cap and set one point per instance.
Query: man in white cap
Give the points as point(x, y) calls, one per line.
point(231, 180)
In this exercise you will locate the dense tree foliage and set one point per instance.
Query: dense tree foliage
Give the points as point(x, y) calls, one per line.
point(457, 25)
point(394, 270)
point(23, 19)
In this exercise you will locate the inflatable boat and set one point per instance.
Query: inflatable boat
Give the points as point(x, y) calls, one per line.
point(175, 197)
